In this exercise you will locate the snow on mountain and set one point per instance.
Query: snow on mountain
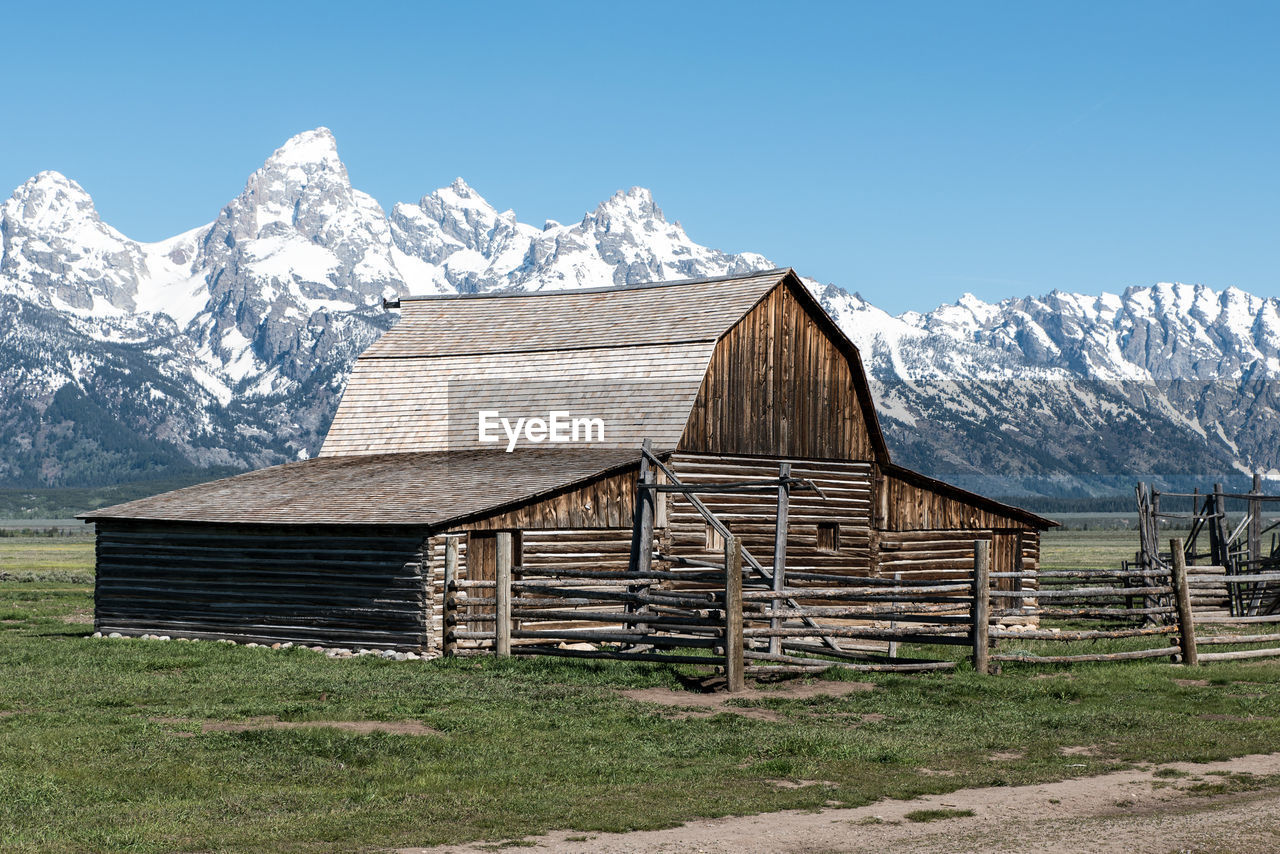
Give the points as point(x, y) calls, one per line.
point(230, 344)
point(626, 239)
point(57, 249)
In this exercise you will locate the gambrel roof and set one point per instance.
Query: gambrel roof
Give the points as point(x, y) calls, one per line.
point(633, 355)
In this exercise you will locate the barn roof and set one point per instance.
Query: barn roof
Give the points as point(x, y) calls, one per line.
point(426, 489)
point(537, 321)
point(633, 355)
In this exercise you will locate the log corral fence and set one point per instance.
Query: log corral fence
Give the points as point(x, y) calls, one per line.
point(725, 615)
point(734, 612)
point(1235, 561)
point(743, 616)
point(733, 615)
point(1088, 605)
point(1154, 609)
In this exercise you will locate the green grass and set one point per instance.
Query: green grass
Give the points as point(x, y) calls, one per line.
point(33, 558)
point(1061, 549)
point(101, 747)
point(936, 814)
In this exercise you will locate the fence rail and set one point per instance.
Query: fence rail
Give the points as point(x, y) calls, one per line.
point(744, 617)
point(734, 620)
point(730, 618)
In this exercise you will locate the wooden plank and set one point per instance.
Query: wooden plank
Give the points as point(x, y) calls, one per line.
point(1133, 655)
point(1241, 654)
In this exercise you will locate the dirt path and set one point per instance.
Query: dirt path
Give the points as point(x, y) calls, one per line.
point(1216, 807)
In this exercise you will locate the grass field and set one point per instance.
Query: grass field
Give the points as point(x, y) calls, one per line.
point(60, 558)
point(1093, 549)
point(123, 745)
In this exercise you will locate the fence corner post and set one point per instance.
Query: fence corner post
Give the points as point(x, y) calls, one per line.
point(733, 614)
point(1182, 596)
point(502, 633)
point(981, 605)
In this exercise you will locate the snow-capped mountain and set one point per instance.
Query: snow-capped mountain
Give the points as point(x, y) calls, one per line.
point(229, 344)
point(1062, 391)
point(457, 242)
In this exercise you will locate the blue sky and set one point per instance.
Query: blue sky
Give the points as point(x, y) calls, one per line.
point(909, 151)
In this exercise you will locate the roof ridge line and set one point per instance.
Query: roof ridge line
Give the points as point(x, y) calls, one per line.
point(395, 303)
point(584, 348)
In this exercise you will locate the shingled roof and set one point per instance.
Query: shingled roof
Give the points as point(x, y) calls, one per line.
point(426, 489)
point(634, 356)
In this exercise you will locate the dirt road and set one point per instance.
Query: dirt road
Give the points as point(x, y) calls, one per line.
point(1207, 809)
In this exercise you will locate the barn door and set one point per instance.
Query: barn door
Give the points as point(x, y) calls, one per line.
point(1006, 556)
point(482, 565)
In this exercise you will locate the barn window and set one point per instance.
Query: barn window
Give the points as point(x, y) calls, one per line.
point(715, 542)
point(828, 536)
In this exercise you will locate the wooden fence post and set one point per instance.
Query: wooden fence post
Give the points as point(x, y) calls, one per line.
point(780, 552)
point(502, 634)
point(893, 625)
point(449, 613)
point(1255, 523)
point(642, 529)
point(1255, 545)
point(642, 526)
point(1222, 554)
point(981, 605)
point(1182, 595)
point(733, 614)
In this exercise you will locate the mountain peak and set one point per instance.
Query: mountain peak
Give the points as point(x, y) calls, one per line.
point(636, 203)
point(459, 194)
point(50, 198)
point(316, 146)
point(55, 241)
point(51, 177)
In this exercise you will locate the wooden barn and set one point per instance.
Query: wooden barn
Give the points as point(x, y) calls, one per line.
point(743, 382)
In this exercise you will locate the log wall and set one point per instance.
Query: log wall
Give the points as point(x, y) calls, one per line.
point(555, 533)
point(538, 552)
point(313, 585)
point(751, 516)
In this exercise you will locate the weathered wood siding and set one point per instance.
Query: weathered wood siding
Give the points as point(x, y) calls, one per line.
point(949, 553)
point(606, 502)
point(778, 385)
point(908, 506)
point(305, 584)
point(751, 516)
point(928, 534)
point(589, 527)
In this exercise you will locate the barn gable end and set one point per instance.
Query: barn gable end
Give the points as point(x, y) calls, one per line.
point(784, 382)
